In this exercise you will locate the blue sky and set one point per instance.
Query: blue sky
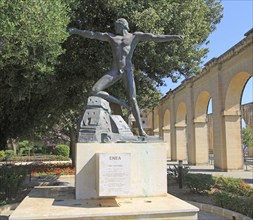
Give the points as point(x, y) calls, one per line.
point(237, 20)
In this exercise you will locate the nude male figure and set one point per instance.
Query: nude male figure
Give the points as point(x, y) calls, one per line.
point(123, 45)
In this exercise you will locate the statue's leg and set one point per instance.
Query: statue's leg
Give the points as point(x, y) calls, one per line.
point(129, 84)
point(104, 82)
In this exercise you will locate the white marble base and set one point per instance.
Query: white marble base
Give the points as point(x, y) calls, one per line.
point(148, 173)
point(113, 175)
point(46, 203)
point(147, 199)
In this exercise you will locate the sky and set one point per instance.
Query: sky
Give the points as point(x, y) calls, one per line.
point(237, 20)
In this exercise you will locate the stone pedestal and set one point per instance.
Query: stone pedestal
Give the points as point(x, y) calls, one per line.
point(99, 125)
point(113, 181)
point(51, 203)
point(147, 172)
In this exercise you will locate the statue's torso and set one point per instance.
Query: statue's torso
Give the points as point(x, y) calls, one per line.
point(122, 48)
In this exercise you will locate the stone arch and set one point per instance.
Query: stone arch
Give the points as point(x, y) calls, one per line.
point(201, 128)
point(247, 104)
point(232, 120)
point(202, 104)
point(181, 114)
point(234, 92)
point(167, 132)
point(180, 129)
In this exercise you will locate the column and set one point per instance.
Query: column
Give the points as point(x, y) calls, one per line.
point(173, 129)
point(181, 146)
point(166, 138)
point(201, 141)
point(232, 121)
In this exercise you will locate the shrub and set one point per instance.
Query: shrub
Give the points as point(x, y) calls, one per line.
point(2, 155)
point(38, 158)
point(233, 185)
point(199, 183)
point(9, 154)
point(11, 180)
point(241, 204)
point(62, 150)
point(58, 157)
point(25, 147)
point(247, 136)
point(49, 149)
point(234, 194)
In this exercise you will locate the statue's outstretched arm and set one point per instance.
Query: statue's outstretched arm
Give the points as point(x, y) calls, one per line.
point(89, 34)
point(157, 38)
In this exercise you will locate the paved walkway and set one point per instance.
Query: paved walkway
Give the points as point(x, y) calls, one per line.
point(246, 175)
point(210, 216)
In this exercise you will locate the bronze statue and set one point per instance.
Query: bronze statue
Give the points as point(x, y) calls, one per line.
point(123, 45)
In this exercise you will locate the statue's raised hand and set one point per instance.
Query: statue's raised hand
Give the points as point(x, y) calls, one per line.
point(71, 30)
point(180, 37)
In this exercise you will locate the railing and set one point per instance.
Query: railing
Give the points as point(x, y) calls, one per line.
point(248, 162)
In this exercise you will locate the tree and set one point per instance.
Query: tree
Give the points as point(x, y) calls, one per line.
point(247, 136)
point(40, 100)
point(31, 33)
point(194, 19)
point(86, 60)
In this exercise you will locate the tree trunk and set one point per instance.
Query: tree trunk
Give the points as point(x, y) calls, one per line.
point(3, 142)
point(12, 144)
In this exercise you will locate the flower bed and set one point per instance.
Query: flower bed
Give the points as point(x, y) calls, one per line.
point(226, 192)
point(44, 169)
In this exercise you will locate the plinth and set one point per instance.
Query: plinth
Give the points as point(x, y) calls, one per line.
point(143, 166)
point(113, 181)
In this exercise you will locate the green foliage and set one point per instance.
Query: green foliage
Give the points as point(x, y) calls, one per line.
point(147, 94)
point(234, 194)
point(17, 158)
point(31, 34)
point(11, 180)
point(24, 147)
point(2, 155)
point(234, 202)
point(9, 154)
point(86, 60)
point(62, 150)
point(247, 136)
point(199, 183)
point(58, 158)
point(33, 75)
point(233, 185)
point(194, 19)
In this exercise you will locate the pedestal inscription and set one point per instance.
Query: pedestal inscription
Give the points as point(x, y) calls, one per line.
point(113, 174)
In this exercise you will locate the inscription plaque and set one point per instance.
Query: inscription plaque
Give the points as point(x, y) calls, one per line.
point(113, 177)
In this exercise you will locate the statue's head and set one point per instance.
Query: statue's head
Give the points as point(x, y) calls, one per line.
point(120, 24)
